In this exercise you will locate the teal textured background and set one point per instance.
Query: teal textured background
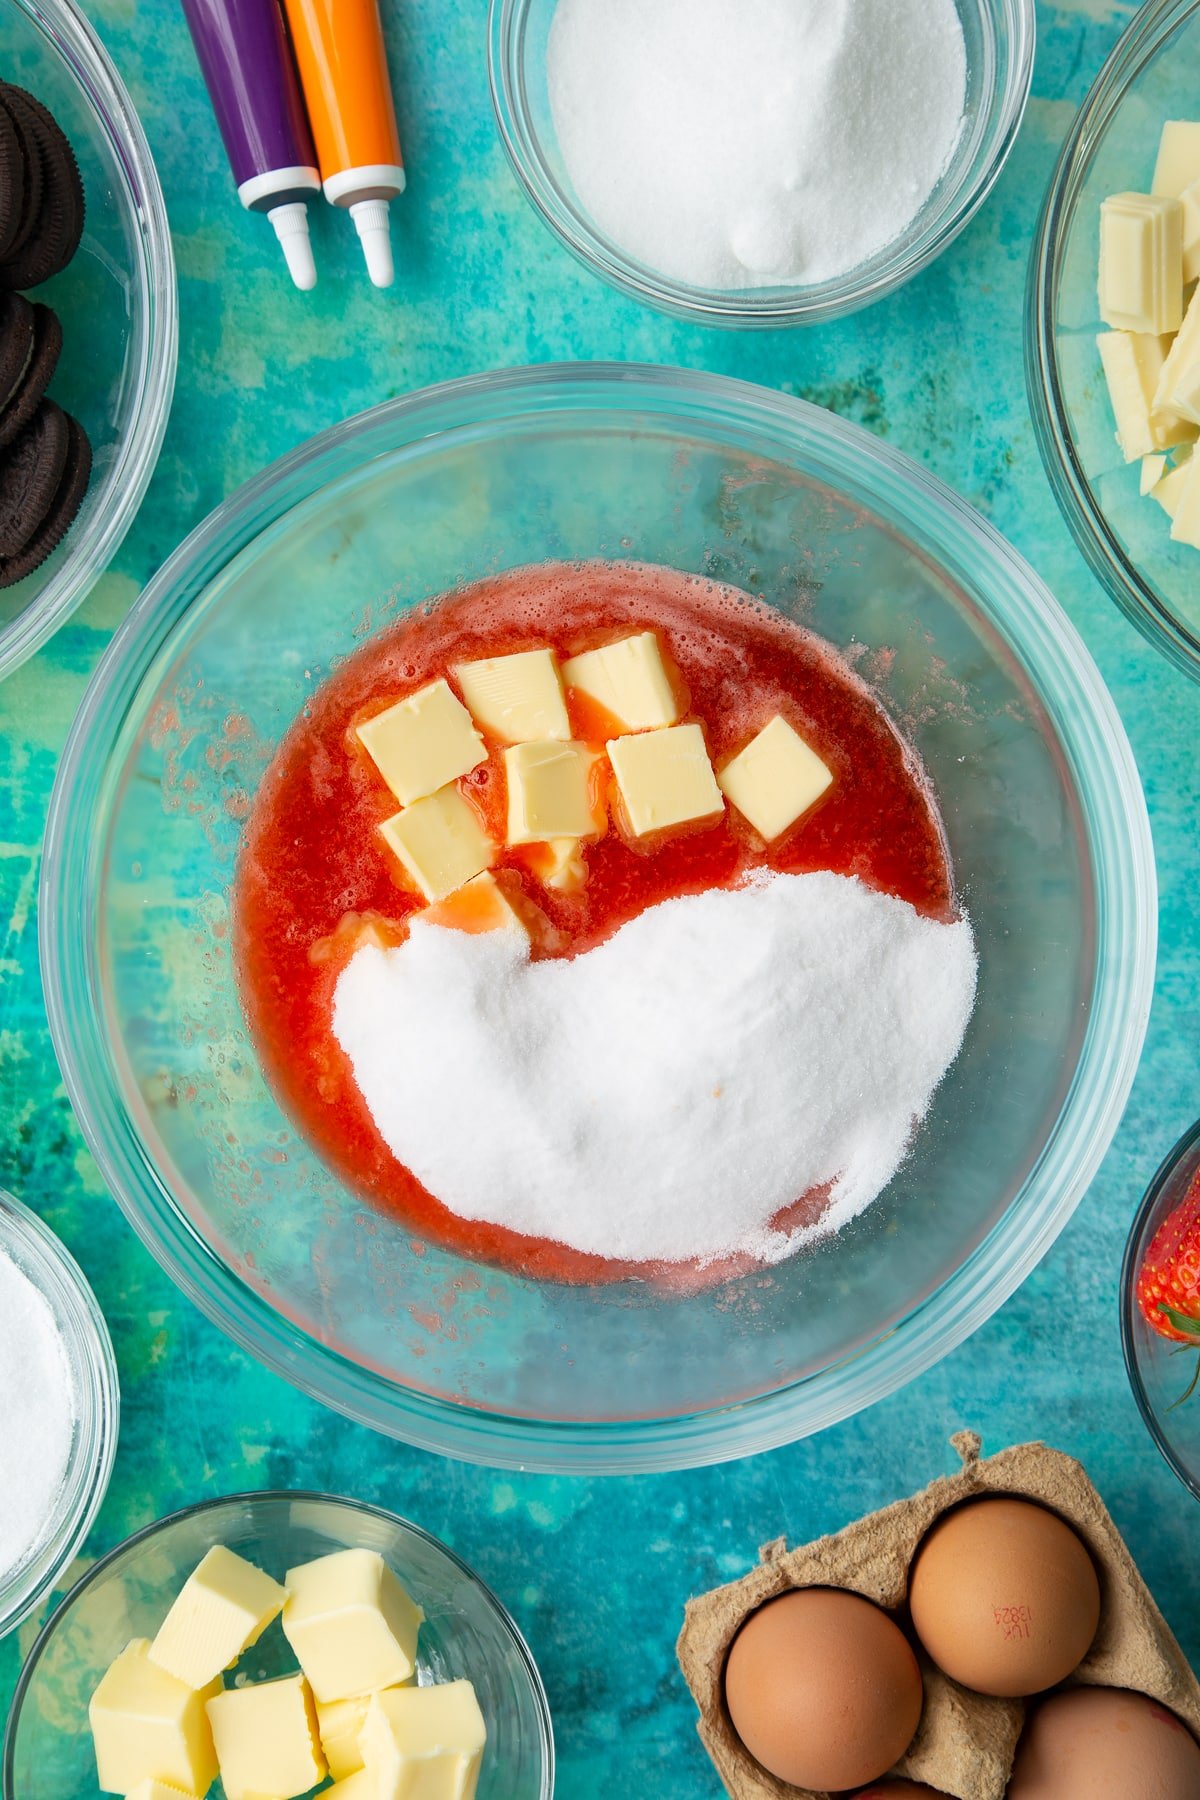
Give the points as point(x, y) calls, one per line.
point(596, 1572)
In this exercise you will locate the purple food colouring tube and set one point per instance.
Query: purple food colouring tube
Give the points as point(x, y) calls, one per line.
point(247, 65)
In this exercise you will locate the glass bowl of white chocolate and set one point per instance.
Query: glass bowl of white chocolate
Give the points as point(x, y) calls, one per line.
point(1113, 352)
point(286, 1639)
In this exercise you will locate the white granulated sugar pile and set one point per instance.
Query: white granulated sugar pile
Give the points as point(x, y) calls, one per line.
point(663, 1097)
point(37, 1416)
point(742, 143)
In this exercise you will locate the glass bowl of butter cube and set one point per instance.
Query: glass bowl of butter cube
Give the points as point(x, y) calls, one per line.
point(1113, 332)
point(280, 1644)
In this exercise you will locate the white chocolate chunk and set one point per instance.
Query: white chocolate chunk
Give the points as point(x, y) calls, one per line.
point(665, 778)
point(1153, 470)
point(1169, 490)
point(1133, 365)
point(423, 743)
point(775, 779)
point(440, 842)
point(1141, 263)
point(155, 1790)
point(223, 1608)
point(147, 1726)
point(1190, 202)
point(550, 792)
point(1178, 164)
point(351, 1624)
point(1185, 522)
point(1178, 387)
point(267, 1739)
point(629, 680)
point(480, 905)
point(518, 699)
point(426, 1741)
point(1177, 176)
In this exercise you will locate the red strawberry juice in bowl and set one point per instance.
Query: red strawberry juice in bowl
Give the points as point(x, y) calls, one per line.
point(316, 881)
point(1160, 1308)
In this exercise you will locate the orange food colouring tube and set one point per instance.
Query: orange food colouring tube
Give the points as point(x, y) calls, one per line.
point(343, 69)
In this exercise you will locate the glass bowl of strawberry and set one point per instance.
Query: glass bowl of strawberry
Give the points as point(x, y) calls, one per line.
point(1160, 1308)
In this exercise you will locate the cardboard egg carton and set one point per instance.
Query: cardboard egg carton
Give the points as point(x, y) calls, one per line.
point(966, 1742)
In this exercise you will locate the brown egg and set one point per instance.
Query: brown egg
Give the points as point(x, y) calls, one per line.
point(901, 1790)
point(1004, 1597)
point(823, 1689)
point(1104, 1741)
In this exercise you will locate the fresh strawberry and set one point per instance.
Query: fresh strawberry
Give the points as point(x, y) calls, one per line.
point(1168, 1284)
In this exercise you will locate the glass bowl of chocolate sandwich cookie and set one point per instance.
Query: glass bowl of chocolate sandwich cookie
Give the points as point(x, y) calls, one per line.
point(87, 317)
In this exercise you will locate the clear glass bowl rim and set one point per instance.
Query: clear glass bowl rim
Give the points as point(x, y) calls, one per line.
point(252, 1498)
point(91, 551)
point(1187, 1147)
point(715, 306)
point(1154, 21)
point(98, 1420)
point(1090, 732)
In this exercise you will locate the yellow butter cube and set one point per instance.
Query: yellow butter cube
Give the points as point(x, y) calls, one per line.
point(1133, 365)
point(423, 743)
point(223, 1608)
point(156, 1790)
point(481, 905)
point(1169, 491)
point(1141, 263)
point(440, 842)
point(519, 698)
point(339, 1723)
point(147, 1726)
point(425, 1743)
point(356, 1786)
point(351, 1624)
point(629, 680)
point(1185, 521)
point(550, 792)
point(267, 1741)
point(775, 779)
point(665, 778)
point(560, 864)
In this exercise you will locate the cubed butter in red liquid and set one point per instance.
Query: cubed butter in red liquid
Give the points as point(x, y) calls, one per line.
point(313, 862)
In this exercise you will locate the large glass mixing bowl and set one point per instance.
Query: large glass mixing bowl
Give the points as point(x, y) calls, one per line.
point(1042, 806)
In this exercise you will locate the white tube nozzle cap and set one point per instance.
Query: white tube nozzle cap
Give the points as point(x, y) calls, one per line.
point(291, 228)
point(374, 228)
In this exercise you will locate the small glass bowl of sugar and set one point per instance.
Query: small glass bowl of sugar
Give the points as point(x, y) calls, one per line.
point(771, 163)
point(59, 1409)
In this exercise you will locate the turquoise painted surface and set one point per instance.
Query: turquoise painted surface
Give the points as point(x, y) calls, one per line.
point(596, 1572)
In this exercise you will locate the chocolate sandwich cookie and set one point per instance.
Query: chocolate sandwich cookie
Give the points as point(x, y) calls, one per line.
point(12, 182)
point(32, 188)
point(17, 334)
point(39, 369)
point(68, 498)
point(30, 471)
point(55, 234)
